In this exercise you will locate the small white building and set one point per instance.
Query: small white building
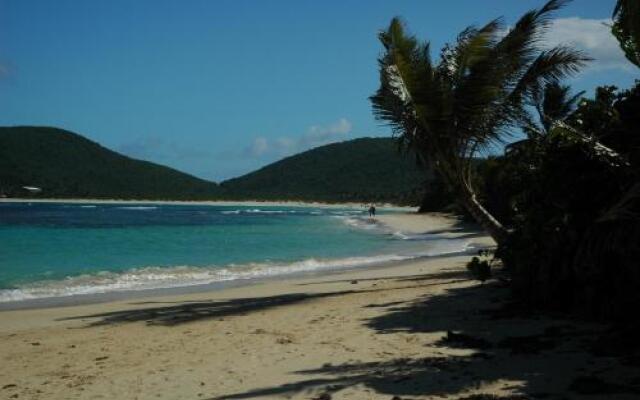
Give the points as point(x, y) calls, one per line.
point(32, 189)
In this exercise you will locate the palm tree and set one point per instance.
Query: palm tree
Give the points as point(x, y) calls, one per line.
point(555, 103)
point(451, 111)
point(626, 28)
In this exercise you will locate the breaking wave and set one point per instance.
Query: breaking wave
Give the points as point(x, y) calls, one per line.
point(182, 276)
point(142, 208)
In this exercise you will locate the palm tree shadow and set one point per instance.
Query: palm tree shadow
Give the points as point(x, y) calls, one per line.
point(446, 312)
point(176, 313)
point(481, 346)
point(184, 312)
point(438, 277)
point(399, 377)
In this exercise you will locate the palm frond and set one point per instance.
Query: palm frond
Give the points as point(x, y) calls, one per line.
point(469, 100)
point(393, 101)
point(553, 103)
point(471, 45)
point(626, 28)
point(550, 66)
point(591, 146)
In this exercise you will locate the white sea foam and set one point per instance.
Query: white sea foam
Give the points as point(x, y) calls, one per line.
point(346, 212)
point(416, 236)
point(259, 211)
point(341, 213)
point(182, 276)
point(88, 206)
point(359, 222)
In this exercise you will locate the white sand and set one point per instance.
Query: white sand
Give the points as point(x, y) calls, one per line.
point(369, 334)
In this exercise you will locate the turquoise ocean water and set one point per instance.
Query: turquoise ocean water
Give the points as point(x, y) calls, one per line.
point(70, 249)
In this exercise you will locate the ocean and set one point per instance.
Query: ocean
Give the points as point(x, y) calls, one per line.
point(50, 250)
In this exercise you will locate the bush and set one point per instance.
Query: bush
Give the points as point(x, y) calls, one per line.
point(574, 210)
point(480, 270)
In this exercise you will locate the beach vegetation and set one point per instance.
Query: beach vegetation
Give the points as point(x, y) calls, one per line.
point(479, 269)
point(571, 198)
point(562, 200)
point(452, 110)
point(626, 28)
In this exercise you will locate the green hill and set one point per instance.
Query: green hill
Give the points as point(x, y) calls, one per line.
point(65, 164)
point(368, 169)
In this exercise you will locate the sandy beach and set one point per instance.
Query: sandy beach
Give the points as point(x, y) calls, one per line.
point(412, 330)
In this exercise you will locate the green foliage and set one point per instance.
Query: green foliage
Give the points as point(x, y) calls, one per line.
point(436, 196)
point(626, 28)
point(567, 197)
point(365, 170)
point(450, 111)
point(572, 199)
point(480, 270)
point(554, 103)
point(612, 117)
point(64, 164)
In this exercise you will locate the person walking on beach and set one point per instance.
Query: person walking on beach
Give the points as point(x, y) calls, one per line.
point(372, 211)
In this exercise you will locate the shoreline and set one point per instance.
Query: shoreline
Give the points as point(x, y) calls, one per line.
point(266, 287)
point(213, 287)
point(244, 203)
point(398, 222)
point(417, 329)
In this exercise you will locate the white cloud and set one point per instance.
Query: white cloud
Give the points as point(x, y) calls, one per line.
point(285, 145)
point(316, 135)
point(593, 37)
point(340, 127)
point(259, 147)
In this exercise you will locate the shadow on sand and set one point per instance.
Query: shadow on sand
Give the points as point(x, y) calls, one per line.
point(536, 357)
point(453, 275)
point(176, 313)
point(478, 346)
point(184, 312)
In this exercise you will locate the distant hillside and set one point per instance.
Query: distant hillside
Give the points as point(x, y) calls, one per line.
point(369, 169)
point(65, 164)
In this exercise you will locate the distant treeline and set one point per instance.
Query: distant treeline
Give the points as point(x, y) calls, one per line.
point(358, 170)
point(66, 165)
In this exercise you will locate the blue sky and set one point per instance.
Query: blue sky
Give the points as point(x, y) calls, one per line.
point(219, 88)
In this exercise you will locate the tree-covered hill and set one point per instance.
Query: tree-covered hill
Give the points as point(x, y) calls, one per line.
point(368, 169)
point(65, 164)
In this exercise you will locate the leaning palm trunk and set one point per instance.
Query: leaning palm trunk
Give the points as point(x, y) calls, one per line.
point(467, 196)
point(454, 170)
point(452, 110)
point(464, 191)
point(490, 224)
